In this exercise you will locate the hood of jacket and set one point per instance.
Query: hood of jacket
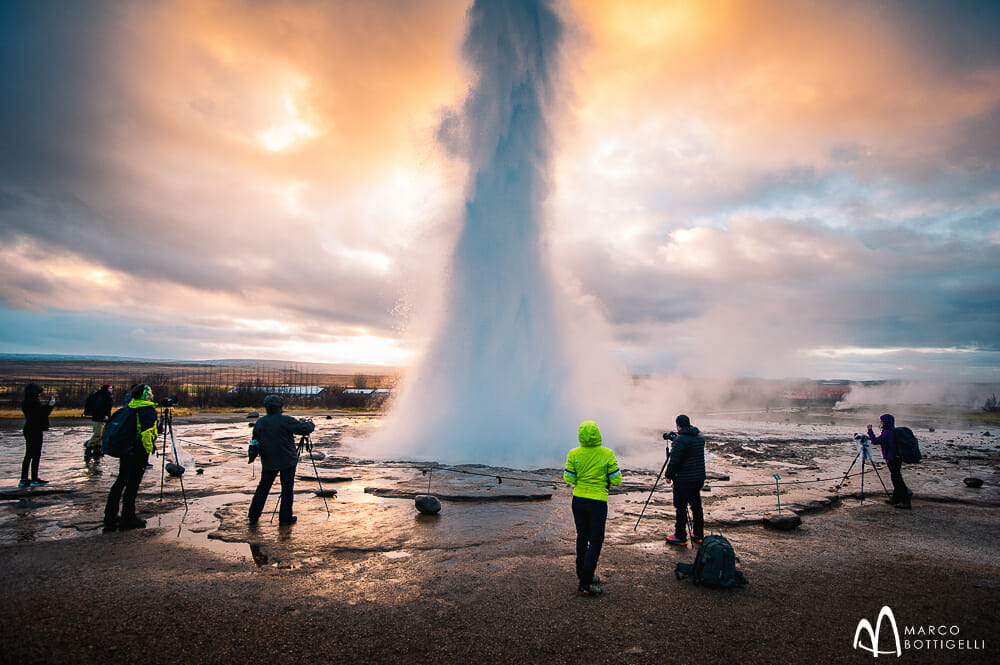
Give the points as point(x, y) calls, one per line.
point(589, 434)
point(890, 422)
point(140, 403)
point(690, 430)
point(33, 390)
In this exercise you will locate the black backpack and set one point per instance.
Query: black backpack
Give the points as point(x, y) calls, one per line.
point(120, 433)
point(88, 407)
point(714, 565)
point(906, 445)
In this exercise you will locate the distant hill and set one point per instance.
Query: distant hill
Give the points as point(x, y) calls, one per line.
point(236, 363)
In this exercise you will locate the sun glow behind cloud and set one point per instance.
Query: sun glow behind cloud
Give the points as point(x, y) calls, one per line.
point(287, 130)
point(773, 179)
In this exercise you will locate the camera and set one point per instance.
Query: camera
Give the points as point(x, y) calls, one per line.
point(168, 401)
point(861, 438)
point(669, 436)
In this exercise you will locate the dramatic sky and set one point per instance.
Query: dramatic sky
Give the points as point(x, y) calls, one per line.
point(766, 188)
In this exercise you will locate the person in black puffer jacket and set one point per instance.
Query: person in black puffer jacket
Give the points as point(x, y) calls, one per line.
point(274, 441)
point(687, 471)
point(36, 421)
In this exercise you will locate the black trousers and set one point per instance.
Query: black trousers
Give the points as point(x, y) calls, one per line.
point(590, 516)
point(900, 492)
point(688, 494)
point(131, 469)
point(32, 454)
point(264, 487)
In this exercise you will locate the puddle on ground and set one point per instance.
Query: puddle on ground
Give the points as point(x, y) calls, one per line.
point(356, 521)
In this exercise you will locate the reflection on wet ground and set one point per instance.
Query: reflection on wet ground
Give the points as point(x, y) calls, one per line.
point(369, 508)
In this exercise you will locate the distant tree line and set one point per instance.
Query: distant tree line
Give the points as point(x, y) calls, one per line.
point(220, 389)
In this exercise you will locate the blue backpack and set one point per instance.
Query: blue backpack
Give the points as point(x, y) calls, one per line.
point(120, 433)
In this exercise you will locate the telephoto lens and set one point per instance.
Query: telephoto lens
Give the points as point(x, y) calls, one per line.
point(252, 452)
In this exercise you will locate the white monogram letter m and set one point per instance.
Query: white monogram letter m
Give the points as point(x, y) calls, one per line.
point(884, 613)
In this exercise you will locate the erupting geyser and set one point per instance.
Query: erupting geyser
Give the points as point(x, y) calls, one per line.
point(506, 380)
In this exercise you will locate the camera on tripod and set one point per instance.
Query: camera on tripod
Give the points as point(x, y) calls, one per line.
point(168, 401)
point(669, 436)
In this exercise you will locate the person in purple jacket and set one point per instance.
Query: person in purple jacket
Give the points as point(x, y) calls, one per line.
point(887, 440)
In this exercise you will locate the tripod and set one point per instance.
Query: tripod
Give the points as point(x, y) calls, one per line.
point(168, 427)
point(652, 489)
point(864, 453)
point(305, 444)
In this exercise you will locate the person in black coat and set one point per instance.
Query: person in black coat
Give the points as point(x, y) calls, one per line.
point(274, 440)
point(99, 409)
point(36, 421)
point(686, 470)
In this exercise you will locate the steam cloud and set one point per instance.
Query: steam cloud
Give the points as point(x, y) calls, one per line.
point(504, 380)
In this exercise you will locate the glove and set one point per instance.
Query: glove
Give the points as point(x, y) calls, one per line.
point(252, 451)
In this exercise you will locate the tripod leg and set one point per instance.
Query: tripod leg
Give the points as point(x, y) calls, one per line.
point(276, 506)
point(173, 441)
point(662, 468)
point(316, 471)
point(849, 470)
point(884, 488)
point(163, 460)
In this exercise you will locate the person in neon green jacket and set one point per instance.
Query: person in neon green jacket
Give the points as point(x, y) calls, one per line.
point(132, 465)
point(591, 469)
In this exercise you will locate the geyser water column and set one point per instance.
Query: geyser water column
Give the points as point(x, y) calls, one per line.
point(498, 385)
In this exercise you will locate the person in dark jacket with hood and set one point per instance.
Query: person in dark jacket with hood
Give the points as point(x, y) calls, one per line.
point(887, 441)
point(36, 421)
point(274, 440)
point(686, 469)
point(99, 409)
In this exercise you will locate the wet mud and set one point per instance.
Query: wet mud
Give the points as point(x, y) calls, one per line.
point(347, 503)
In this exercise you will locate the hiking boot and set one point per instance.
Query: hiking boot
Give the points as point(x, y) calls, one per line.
point(24, 482)
point(131, 523)
point(110, 523)
point(592, 590)
point(295, 518)
point(696, 540)
point(679, 542)
point(38, 481)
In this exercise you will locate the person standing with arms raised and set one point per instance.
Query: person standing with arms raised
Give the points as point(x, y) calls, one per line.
point(36, 421)
point(591, 469)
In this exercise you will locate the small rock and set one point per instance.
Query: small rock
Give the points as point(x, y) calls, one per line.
point(253, 414)
point(786, 521)
point(973, 482)
point(175, 470)
point(427, 504)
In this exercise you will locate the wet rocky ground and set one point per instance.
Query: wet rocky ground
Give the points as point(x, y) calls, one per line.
point(489, 579)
